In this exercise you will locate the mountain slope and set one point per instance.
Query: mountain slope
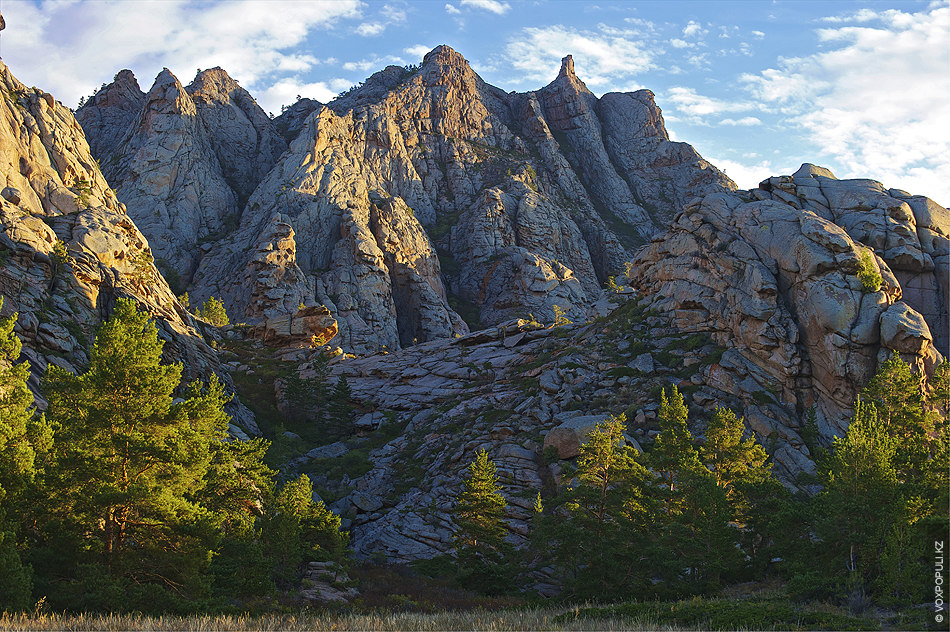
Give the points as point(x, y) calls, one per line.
point(68, 248)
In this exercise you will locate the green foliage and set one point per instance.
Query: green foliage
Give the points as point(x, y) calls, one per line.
point(127, 460)
point(871, 279)
point(141, 273)
point(594, 530)
point(340, 407)
point(480, 546)
point(560, 317)
point(212, 311)
point(297, 530)
point(728, 614)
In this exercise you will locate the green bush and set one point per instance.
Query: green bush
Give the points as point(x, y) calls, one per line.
point(213, 311)
point(868, 274)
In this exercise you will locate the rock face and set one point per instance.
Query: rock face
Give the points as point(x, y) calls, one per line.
point(182, 160)
point(773, 275)
point(425, 192)
point(245, 140)
point(67, 247)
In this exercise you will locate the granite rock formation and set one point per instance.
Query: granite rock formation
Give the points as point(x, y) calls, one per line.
point(773, 274)
point(511, 204)
point(68, 249)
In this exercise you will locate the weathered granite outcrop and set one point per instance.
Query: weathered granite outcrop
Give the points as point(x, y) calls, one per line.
point(773, 275)
point(108, 114)
point(183, 161)
point(68, 249)
point(510, 216)
point(245, 140)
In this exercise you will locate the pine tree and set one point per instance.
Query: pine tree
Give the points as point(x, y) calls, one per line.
point(735, 462)
point(598, 536)
point(898, 396)
point(673, 451)
point(129, 461)
point(340, 406)
point(480, 545)
point(297, 530)
point(212, 310)
point(21, 436)
point(860, 501)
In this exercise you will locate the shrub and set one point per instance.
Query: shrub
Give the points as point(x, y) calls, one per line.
point(213, 311)
point(868, 274)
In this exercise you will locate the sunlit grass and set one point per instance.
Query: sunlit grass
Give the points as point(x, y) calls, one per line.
point(527, 619)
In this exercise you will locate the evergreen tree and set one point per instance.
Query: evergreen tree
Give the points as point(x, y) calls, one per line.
point(480, 544)
point(898, 396)
point(129, 461)
point(735, 462)
point(599, 522)
point(340, 406)
point(212, 310)
point(21, 436)
point(297, 530)
point(859, 503)
point(673, 451)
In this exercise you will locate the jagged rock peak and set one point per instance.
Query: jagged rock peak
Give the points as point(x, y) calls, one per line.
point(444, 55)
point(213, 84)
point(567, 67)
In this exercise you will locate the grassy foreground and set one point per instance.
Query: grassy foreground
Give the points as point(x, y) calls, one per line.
point(530, 619)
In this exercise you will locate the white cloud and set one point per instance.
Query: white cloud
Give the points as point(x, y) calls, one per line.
point(418, 51)
point(694, 29)
point(368, 29)
point(286, 90)
point(69, 48)
point(678, 43)
point(601, 57)
point(758, 34)
point(696, 107)
point(389, 15)
point(373, 63)
point(745, 120)
point(499, 8)
point(877, 103)
point(451, 9)
point(748, 175)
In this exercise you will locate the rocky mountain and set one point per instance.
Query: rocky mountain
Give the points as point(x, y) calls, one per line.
point(421, 217)
point(507, 204)
point(68, 248)
point(183, 159)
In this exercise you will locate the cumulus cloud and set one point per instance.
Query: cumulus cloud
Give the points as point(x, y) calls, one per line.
point(69, 48)
point(745, 120)
point(694, 29)
point(417, 52)
point(367, 29)
point(451, 9)
point(877, 100)
point(286, 90)
point(697, 108)
point(603, 56)
point(499, 8)
point(748, 175)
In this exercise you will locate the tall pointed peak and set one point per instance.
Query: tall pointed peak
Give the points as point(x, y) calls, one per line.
point(445, 58)
point(567, 67)
point(213, 84)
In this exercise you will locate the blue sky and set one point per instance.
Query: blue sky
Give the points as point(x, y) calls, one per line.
point(758, 87)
